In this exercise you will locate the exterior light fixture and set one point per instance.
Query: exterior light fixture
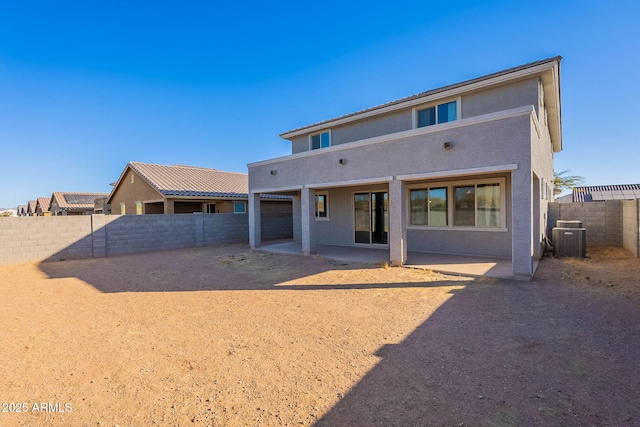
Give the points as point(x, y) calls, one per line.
point(342, 161)
point(274, 172)
point(447, 145)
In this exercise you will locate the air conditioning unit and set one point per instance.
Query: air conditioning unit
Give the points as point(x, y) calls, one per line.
point(569, 242)
point(563, 223)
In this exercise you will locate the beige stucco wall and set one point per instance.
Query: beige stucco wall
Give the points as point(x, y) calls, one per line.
point(129, 193)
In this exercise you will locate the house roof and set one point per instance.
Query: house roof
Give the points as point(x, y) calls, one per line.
point(567, 198)
point(75, 200)
point(31, 206)
point(22, 209)
point(179, 180)
point(44, 203)
point(191, 181)
point(552, 79)
point(606, 192)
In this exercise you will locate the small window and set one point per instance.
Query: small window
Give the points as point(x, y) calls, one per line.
point(138, 208)
point(442, 113)
point(320, 140)
point(211, 208)
point(239, 207)
point(322, 205)
point(123, 209)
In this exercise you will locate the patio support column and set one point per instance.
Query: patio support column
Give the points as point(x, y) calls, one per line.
point(297, 222)
point(397, 222)
point(168, 206)
point(521, 218)
point(308, 219)
point(255, 229)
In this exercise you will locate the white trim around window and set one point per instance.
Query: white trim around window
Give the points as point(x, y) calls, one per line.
point(324, 139)
point(435, 105)
point(451, 207)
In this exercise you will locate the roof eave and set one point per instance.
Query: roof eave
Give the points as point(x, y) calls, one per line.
point(456, 89)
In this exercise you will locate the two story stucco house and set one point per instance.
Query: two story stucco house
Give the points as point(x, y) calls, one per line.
point(464, 169)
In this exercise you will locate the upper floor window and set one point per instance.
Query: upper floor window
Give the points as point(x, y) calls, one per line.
point(440, 113)
point(320, 140)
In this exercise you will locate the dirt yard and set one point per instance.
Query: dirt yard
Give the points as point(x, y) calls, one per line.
point(222, 336)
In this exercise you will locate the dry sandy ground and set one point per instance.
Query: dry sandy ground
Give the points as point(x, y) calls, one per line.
point(221, 336)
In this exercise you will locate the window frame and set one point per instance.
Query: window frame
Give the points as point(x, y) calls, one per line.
point(244, 206)
point(326, 202)
point(207, 208)
point(328, 132)
point(436, 104)
point(450, 186)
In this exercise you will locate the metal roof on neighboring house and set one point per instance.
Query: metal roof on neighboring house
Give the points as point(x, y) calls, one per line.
point(606, 192)
point(191, 181)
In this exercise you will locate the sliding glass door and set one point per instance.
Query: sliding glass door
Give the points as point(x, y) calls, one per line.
point(371, 218)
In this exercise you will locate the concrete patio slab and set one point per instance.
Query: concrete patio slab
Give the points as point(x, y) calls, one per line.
point(444, 263)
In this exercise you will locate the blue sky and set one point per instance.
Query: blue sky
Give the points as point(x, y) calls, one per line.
point(87, 86)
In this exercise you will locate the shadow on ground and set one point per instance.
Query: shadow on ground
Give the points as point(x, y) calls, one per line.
point(215, 268)
point(500, 353)
point(507, 354)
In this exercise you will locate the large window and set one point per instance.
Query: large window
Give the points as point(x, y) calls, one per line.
point(322, 206)
point(488, 205)
point(458, 204)
point(441, 113)
point(429, 206)
point(320, 140)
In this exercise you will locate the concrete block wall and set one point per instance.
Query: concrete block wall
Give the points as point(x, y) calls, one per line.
point(29, 239)
point(145, 233)
point(26, 239)
point(225, 228)
point(603, 220)
point(631, 226)
point(276, 226)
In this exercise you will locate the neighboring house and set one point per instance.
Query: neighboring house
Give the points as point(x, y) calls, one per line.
point(31, 207)
point(463, 169)
point(22, 210)
point(43, 205)
point(567, 198)
point(596, 193)
point(145, 188)
point(100, 206)
point(74, 203)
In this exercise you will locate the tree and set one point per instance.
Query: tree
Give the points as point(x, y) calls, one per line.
point(566, 182)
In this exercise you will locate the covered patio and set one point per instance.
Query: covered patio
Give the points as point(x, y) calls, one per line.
point(475, 266)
